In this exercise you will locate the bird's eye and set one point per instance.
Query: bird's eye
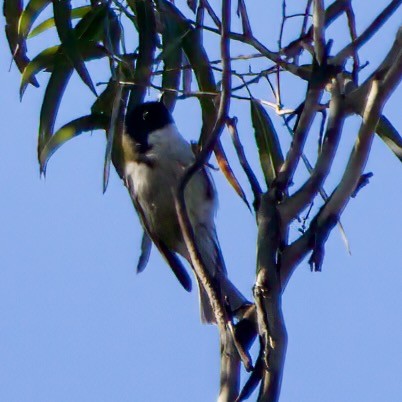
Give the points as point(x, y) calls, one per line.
point(144, 115)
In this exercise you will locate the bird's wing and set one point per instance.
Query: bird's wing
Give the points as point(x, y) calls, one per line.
point(170, 257)
point(201, 203)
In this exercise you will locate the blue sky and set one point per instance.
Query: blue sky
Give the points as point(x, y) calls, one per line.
point(78, 324)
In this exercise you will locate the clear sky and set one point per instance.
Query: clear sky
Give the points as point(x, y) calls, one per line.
point(77, 323)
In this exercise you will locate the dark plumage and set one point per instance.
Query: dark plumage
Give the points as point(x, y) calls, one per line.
point(145, 119)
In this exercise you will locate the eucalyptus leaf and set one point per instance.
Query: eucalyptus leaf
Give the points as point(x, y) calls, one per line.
point(112, 32)
point(51, 102)
point(104, 102)
point(91, 26)
point(68, 131)
point(228, 172)
point(45, 61)
point(197, 56)
point(388, 133)
point(193, 5)
point(42, 61)
point(29, 16)
point(269, 149)
point(115, 129)
point(172, 62)
point(62, 18)
point(76, 13)
point(12, 10)
point(146, 50)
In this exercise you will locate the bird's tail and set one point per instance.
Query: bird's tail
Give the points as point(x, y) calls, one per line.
point(208, 246)
point(229, 294)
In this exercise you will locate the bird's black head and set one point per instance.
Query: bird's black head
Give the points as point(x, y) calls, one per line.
point(144, 119)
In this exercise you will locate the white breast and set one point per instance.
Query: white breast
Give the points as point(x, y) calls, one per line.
point(156, 182)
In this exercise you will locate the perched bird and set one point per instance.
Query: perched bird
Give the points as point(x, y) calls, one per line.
point(155, 157)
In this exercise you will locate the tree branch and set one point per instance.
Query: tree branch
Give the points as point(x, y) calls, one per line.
point(268, 299)
point(381, 84)
point(287, 170)
point(230, 361)
point(353, 35)
point(319, 31)
point(356, 99)
point(378, 94)
point(292, 206)
point(378, 22)
point(331, 14)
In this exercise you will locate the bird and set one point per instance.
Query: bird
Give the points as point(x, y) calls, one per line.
point(155, 156)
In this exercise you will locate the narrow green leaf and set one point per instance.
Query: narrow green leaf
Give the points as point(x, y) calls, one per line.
point(131, 17)
point(228, 172)
point(67, 132)
point(171, 45)
point(133, 5)
point(78, 12)
point(87, 30)
point(110, 139)
point(195, 52)
point(62, 18)
point(269, 148)
point(193, 5)
point(30, 14)
point(91, 26)
point(105, 105)
point(388, 133)
point(51, 101)
point(46, 59)
point(61, 73)
point(115, 130)
point(112, 32)
point(12, 11)
point(104, 102)
point(42, 61)
point(201, 66)
point(144, 12)
point(172, 62)
point(117, 153)
point(187, 76)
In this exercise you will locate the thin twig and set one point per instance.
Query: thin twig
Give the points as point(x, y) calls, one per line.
point(255, 186)
point(306, 17)
point(212, 14)
point(294, 49)
point(353, 35)
point(307, 115)
point(378, 22)
point(245, 22)
point(281, 29)
point(124, 10)
point(255, 80)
